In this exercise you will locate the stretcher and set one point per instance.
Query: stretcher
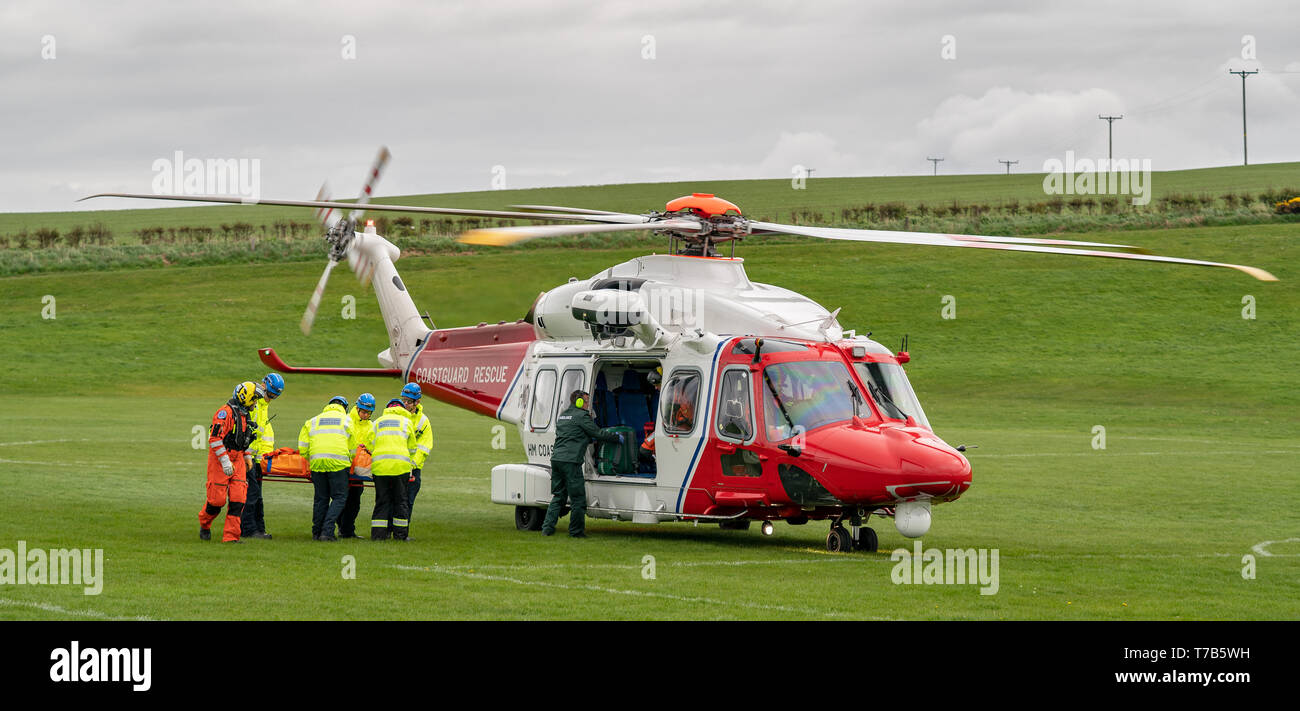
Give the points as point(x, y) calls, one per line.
point(286, 464)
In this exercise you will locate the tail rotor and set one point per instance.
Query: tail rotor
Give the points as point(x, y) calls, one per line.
point(339, 233)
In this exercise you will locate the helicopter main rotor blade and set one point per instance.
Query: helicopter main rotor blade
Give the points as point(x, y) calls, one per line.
point(501, 236)
point(922, 238)
point(503, 214)
point(574, 210)
point(940, 238)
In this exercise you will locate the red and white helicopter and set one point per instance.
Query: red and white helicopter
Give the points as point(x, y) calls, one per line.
point(768, 409)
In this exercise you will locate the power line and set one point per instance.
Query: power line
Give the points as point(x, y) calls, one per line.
point(1177, 98)
point(936, 164)
point(1008, 164)
point(1243, 73)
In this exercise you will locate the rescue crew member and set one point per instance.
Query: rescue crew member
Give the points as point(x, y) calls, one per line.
point(682, 409)
point(362, 427)
point(646, 453)
point(254, 522)
point(392, 443)
point(326, 440)
point(228, 439)
point(574, 430)
point(423, 440)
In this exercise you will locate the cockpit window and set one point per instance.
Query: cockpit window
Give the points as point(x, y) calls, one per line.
point(889, 387)
point(804, 395)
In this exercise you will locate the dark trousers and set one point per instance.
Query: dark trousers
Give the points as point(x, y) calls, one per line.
point(391, 512)
point(331, 490)
point(567, 482)
point(252, 520)
point(412, 488)
point(351, 507)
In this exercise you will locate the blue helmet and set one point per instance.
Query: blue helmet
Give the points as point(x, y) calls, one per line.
point(366, 402)
point(340, 400)
point(395, 402)
point(411, 390)
point(274, 384)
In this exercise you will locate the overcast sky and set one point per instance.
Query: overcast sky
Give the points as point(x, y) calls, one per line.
point(572, 93)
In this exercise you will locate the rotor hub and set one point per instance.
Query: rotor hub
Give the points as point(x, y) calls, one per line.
point(703, 205)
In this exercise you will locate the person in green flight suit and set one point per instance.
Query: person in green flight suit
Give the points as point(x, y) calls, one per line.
point(574, 430)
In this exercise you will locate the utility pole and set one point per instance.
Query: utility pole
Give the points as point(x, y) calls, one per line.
point(1243, 73)
point(936, 164)
point(1110, 135)
point(1008, 164)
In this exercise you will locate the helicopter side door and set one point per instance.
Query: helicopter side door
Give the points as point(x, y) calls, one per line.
point(734, 446)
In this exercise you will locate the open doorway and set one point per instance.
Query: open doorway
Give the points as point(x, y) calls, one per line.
point(623, 394)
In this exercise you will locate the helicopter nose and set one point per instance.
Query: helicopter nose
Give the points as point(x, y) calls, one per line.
point(935, 469)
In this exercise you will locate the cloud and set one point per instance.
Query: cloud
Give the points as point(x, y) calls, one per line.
point(972, 133)
point(809, 149)
point(560, 93)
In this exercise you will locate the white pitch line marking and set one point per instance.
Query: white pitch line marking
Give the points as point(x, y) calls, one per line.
point(1139, 556)
point(1100, 453)
point(673, 564)
point(1125, 438)
point(1262, 548)
point(65, 611)
point(83, 465)
point(77, 465)
point(617, 591)
point(860, 560)
point(41, 441)
point(1200, 441)
point(100, 441)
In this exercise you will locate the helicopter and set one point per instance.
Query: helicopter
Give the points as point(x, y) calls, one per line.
point(761, 406)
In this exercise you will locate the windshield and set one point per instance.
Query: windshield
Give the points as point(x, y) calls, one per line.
point(889, 387)
point(807, 395)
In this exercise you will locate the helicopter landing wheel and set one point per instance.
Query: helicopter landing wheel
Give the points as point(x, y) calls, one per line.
point(529, 518)
point(839, 540)
point(867, 540)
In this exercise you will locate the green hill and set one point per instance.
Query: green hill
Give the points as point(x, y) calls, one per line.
point(764, 199)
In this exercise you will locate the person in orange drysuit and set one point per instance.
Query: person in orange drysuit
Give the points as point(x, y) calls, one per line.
point(228, 439)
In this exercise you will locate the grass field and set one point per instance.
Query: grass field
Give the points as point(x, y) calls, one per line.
point(1201, 409)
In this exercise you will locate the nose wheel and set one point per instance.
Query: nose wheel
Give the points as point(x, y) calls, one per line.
point(866, 540)
point(860, 538)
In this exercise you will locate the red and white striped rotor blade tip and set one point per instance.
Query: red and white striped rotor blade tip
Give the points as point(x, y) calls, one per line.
point(372, 179)
point(327, 216)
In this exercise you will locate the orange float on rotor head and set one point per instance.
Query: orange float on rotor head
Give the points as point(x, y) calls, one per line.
point(702, 204)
